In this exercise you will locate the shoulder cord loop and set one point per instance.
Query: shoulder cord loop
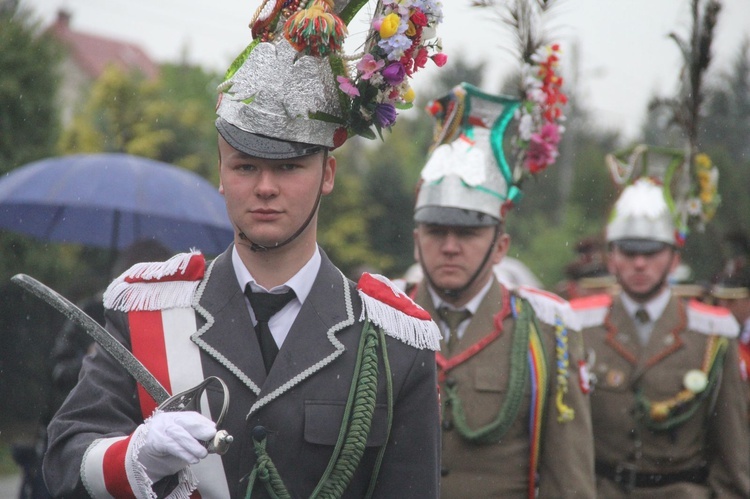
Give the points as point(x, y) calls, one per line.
point(664, 415)
point(526, 325)
point(352, 439)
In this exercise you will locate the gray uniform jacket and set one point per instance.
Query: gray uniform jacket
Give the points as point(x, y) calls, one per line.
point(308, 392)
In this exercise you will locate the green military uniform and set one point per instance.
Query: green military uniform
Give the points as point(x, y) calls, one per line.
point(503, 468)
point(668, 407)
point(692, 445)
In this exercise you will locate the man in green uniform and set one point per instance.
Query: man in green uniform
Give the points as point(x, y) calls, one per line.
point(668, 408)
point(515, 410)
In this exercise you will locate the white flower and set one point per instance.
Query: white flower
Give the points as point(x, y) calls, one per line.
point(694, 206)
point(525, 127)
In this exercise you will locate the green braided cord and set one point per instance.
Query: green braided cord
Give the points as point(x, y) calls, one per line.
point(265, 471)
point(389, 393)
point(519, 373)
point(357, 420)
point(352, 436)
point(644, 406)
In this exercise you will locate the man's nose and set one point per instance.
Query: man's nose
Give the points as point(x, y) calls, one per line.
point(451, 243)
point(266, 184)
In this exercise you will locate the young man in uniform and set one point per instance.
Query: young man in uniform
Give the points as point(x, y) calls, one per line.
point(668, 407)
point(515, 411)
point(333, 384)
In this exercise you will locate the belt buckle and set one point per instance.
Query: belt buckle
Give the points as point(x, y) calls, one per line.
point(625, 476)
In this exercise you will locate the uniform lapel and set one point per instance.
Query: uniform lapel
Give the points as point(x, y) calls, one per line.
point(666, 337)
point(331, 306)
point(481, 323)
point(227, 334)
point(621, 333)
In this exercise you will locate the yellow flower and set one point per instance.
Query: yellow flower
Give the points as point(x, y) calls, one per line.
point(389, 25)
point(702, 161)
point(409, 95)
point(411, 30)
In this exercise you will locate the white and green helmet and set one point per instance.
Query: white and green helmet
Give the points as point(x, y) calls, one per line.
point(467, 180)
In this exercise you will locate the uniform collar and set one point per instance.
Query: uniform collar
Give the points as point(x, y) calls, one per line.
point(655, 307)
point(472, 305)
point(301, 282)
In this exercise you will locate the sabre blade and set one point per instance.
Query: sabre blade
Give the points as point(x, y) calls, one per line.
point(122, 355)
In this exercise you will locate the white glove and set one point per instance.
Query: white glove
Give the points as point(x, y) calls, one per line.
point(171, 442)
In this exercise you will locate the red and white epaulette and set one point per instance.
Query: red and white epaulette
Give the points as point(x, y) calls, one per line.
point(591, 310)
point(548, 307)
point(157, 285)
point(708, 319)
point(391, 309)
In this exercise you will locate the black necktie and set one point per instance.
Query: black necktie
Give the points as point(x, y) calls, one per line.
point(641, 316)
point(265, 305)
point(453, 318)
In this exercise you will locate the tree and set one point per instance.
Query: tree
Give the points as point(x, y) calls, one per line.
point(169, 120)
point(28, 85)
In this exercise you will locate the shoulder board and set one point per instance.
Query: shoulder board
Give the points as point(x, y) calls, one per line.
point(591, 310)
point(548, 307)
point(391, 309)
point(708, 319)
point(157, 285)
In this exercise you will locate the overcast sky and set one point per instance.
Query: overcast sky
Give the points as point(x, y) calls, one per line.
point(625, 55)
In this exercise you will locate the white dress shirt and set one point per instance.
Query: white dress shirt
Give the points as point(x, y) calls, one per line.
point(301, 283)
point(655, 308)
point(471, 306)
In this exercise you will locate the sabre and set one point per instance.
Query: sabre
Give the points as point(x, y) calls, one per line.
point(187, 400)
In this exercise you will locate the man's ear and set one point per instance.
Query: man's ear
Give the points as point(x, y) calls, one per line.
point(501, 248)
point(329, 175)
point(415, 238)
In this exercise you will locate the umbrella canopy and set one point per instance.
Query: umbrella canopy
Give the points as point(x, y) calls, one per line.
point(113, 200)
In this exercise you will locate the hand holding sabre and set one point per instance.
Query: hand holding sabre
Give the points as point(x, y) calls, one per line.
point(171, 427)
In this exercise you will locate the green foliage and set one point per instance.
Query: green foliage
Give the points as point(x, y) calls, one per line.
point(169, 120)
point(28, 85)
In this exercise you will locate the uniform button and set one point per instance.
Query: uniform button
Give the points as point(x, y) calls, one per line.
point(447, 425)
point(632, 434)
point(444, 471)
point(450, 382)
point(259, 433)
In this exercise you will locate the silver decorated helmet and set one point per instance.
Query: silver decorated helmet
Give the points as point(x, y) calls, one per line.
point(665, 196)
point(293, 91)
point(467, 178)
point(641, 220)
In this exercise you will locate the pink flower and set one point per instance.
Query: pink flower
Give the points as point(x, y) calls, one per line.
point(421, 58)
point(369, 66)
point(540, 154)
point(550, 133)
point(440, 59)
point(347, 87)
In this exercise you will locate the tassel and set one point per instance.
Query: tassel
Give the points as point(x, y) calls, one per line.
point(316, 30)
point(157, 285)
point(549, 307)
point(391, 309)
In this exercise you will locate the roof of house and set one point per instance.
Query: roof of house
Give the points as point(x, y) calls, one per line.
point(94, 53)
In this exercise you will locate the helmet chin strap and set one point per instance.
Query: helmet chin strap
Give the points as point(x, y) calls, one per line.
point(457, 292)
point(260, 248)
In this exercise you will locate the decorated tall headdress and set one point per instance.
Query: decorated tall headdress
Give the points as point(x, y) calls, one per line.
point(688, 179)
point(685, 195)
point(294, 84)
point(468, 178)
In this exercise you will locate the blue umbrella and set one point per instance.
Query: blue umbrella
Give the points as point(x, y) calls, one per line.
point(113, 200)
